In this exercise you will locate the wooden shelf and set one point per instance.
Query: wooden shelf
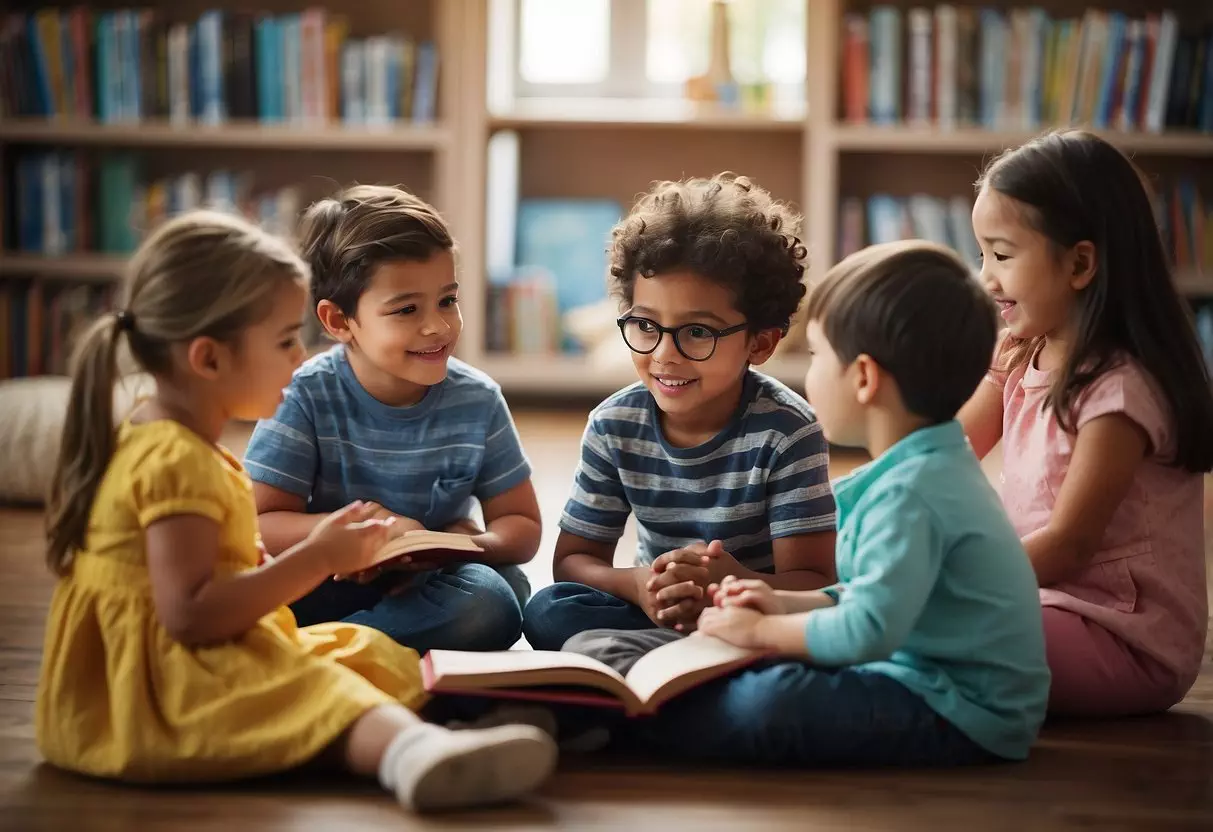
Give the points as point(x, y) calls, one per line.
point(87, 268)
point(643, 113)
point(1193, 284)
point(571, 375)
point(271, 137)
point(870, 139)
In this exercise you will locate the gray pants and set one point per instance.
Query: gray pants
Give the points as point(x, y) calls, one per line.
point(620, 649)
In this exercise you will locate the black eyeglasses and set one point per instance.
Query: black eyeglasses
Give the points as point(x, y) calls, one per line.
point(696, 342)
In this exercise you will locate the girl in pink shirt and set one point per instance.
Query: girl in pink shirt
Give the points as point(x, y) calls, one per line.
point(1101, 398)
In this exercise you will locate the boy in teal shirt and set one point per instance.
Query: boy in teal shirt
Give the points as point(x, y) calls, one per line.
point(929, 650)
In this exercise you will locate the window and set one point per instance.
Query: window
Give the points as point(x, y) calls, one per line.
point(766, 40)
point(649, 48)
point(564, 42)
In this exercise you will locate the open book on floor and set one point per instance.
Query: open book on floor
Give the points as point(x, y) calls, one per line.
point(572, 678)
point(423, 540)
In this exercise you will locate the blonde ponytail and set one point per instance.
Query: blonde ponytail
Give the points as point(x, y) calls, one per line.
point(200, 274)
point(88, 440)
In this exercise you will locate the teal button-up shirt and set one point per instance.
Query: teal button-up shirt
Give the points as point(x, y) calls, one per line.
point(937, 592)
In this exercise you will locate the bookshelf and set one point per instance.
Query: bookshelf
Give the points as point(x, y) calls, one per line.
point(250, 135)
point(83, 268)
point(809, 151)
point(270, 111)
point(865, 139)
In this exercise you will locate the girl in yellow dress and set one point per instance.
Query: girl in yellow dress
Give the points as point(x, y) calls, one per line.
point(170, 652)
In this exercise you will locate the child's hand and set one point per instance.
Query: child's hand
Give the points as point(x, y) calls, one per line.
point(399, 525)
point(736, 625)
point(646, 598)
point(751, 594)
point(349, 538)
point(720, 563)
point(679, 581)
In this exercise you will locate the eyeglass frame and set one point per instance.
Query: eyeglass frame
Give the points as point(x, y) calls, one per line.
point(717, 334)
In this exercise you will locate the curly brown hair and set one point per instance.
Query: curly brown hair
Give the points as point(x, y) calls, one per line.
point(725, 228)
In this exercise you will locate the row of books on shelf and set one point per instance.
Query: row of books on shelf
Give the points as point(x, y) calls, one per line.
point(64, 202)
point(1185, 220)
point(522, 316)
point(127, 65)
point(957, 66)
point(40, 321)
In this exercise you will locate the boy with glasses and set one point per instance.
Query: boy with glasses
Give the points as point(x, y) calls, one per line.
point(725, 469)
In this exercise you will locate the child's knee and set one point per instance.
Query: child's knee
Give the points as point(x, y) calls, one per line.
point(542, 617)
point(489, 615)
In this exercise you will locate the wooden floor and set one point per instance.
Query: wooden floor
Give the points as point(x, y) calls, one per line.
point(1154, 773)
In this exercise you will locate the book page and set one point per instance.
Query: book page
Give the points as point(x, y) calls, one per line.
point(465, 671)
point(422, 540)
point(461, 670)
point(681, 665)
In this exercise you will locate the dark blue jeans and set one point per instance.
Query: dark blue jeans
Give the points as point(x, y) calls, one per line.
point(780, 713)
point(562, 610)
point(466, 606)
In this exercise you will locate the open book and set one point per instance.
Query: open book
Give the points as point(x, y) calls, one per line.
point(422, 540)
point(549, 676)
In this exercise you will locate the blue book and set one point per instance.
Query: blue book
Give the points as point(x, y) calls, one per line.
point(29, 202)
point(1114, 53)
point(43, 98)
point(210, 54)
point(67, 201)
point(266, 34)
point(425, 93)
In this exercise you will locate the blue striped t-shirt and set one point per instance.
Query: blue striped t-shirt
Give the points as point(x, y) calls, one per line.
point(332, 442)
point(763, 477)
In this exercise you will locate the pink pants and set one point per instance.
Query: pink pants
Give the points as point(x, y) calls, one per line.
point(1097, 674)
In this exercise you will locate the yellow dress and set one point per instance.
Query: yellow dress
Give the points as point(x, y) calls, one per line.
point(118, 697)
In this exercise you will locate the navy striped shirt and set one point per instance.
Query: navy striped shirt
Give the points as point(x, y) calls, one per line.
point(332, 442)
point(763, 477)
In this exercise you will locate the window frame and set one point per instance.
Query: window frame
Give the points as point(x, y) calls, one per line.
point(627, 53)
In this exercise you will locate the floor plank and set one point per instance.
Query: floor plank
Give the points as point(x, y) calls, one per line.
point(1152, 773)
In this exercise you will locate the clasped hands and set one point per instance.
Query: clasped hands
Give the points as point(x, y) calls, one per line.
point(676, 588)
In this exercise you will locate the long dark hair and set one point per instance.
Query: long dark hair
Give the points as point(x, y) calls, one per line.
point(1079, 187)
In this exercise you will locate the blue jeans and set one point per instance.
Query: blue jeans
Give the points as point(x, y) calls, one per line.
point(562, 610)
point(466, 606)
point(781, 713)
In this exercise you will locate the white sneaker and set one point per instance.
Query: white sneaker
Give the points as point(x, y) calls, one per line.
point(452, 769)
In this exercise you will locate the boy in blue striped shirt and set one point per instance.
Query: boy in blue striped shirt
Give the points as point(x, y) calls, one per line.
point(711, 456)
point(388, 416)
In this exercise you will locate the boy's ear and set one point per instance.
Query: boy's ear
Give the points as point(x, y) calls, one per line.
point(867, 378)
point(1083, 265)
point(334, 321)
point(763, 345)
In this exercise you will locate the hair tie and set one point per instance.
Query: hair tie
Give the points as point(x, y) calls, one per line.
point(126, 321)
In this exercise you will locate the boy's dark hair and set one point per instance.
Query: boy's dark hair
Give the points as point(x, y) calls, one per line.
point(725, 228)
point(915, 308)
point(346, 237)
point(1076, 187)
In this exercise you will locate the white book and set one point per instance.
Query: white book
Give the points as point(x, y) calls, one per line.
point(918, 108)
point(1160, 74)
point(945, 66)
